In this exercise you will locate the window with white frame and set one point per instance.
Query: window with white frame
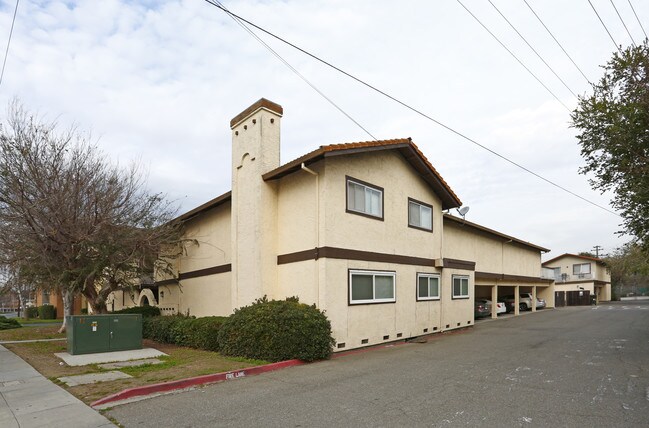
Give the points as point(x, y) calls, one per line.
point(580, 269)
point(420, 215)
point(364, 198)
point(460, 287)
point(427, 286)
point(371, 287)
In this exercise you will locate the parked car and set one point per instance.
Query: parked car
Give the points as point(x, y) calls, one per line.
point(540, 303)
point(482, 308)
point(524, 302)
point(501, 308)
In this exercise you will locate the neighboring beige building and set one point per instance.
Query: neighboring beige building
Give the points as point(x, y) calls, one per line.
point(574, 275)
point(357, 229)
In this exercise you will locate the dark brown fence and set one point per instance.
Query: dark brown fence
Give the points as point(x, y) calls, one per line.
point(578, 298)
point(559, 299)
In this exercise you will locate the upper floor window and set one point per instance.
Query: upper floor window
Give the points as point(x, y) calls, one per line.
point(427, 286)
point(420, 215)
point(580, 269)
point(460, 287)
point(364, 198)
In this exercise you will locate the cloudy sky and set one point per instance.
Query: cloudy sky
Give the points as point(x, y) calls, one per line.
point(158, 81)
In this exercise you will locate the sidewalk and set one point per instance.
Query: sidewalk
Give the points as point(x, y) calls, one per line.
point(27, 399)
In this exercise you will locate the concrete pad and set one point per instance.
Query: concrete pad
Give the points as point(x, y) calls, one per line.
point(108, 357)
point(93, 378)
point(135, 363)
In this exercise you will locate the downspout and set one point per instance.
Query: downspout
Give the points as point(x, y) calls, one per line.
point(317, 225)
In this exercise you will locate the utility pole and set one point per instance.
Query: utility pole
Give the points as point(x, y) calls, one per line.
point(596, 248)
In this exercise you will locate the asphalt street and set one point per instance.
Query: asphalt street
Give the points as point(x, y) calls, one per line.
point(569, 367)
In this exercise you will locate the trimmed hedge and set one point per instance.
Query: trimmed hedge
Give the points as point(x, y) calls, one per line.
point(200, 333)
point(8, 323)
point(31, 312)
point(47, 312)
point(277, 330)
point(145, 311)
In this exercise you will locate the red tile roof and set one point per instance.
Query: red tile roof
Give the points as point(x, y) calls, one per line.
point(405, 146)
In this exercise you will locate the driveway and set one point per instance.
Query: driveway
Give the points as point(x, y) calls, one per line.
point(577, 366)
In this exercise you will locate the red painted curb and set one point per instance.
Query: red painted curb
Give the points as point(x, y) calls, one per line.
point(194, 381)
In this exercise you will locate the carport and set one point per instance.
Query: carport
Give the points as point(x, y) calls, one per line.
point(497, 286)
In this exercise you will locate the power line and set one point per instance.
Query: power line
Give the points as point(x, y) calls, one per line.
point(557, 41)
point(533, 50)
point(407, 106)
point(623, 23)
point(11, 31)
point(287, 64)
point(512, 54)
point(636, 17)
point(605, 27)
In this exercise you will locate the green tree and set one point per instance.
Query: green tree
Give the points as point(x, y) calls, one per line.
point(629, 267)
point(613, 131)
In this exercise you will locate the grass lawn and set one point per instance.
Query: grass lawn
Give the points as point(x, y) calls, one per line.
point(31, 333)
point(181, 363)
point(30, 321)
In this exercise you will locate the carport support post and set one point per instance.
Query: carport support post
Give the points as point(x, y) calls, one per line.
point(517, 299)
point(534, 298)
point(494, 301)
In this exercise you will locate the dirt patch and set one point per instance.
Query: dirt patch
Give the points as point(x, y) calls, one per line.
point(180, 364)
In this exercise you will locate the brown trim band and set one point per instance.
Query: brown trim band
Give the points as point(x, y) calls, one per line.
point(507, 277)
point(458, 264)
point(171, 281)
point(585, 281)
point(205, 272)
point(346, 254)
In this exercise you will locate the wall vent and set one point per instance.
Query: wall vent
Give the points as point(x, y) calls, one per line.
point(364, 341)
point(399, 334)
point(341, 345)
point(386, 337)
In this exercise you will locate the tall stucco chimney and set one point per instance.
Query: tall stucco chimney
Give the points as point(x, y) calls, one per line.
point(255, 151)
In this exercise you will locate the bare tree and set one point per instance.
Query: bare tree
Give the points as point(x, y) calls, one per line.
point(20, 286)
point(82, 224)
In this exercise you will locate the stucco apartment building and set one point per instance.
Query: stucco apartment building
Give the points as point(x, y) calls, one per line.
point(358, 229)
point(574, 273)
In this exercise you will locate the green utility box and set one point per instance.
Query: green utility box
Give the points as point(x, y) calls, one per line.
point(89, 334)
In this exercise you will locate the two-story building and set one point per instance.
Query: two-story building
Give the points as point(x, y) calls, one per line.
point(578, 276)
point(357, 229)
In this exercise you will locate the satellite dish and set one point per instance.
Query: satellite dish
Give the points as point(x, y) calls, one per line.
point(463, 210)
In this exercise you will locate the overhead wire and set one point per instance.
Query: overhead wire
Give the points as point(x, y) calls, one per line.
point(514, 56)
point(290, 67)
point(557, 41)
point(605, 27)
point(623, 23)
point(217, 4)
point(533, 50)
point(11, 31)
point(636, 17)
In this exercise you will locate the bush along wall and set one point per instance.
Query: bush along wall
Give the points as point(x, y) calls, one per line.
point(145, 311)
point(31, 312)
point(277, 330)
point(47, 312)
point(200, 333)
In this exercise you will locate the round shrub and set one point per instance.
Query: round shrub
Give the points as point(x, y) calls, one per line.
point(47, 312)
point(277, 330)
point(31, 312)
point(8, 323)
point(145, 311)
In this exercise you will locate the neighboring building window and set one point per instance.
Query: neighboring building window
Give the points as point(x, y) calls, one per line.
point(581, 269)
point(46, 297)
point(420, 215)
point(363, 198)
point(371, 287)
point(460, 287)
point(427, 286)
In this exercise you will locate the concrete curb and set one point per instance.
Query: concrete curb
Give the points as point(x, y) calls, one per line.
point(193, 381)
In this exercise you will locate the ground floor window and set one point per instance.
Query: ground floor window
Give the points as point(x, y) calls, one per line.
point(460, 287)
point(371, 287)
point(427, 286)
